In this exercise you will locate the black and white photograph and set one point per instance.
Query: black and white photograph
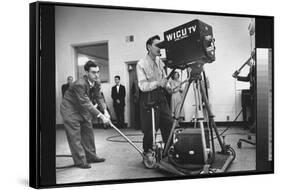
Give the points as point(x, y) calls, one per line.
point(142, 94)
point(149, 94)
point(122, 117)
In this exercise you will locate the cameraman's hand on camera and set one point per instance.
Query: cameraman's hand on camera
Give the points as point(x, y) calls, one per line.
point(163, 82)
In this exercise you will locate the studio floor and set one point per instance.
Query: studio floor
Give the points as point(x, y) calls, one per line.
point(124, 162)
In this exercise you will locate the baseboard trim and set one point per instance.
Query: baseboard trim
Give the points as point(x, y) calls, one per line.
point(95, 125)
point(183, 124)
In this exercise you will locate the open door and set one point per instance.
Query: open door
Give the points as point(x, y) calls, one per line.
point(134, 95)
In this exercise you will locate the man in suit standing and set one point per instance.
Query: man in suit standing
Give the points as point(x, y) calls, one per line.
point(65, 87)
point(118, 94)
point(77, 111)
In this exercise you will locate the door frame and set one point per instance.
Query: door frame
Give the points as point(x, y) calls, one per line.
point(128, 63)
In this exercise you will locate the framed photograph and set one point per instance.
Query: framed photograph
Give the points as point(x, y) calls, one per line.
point(122, 94)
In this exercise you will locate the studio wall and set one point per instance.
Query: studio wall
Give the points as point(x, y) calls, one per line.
point(76, 25)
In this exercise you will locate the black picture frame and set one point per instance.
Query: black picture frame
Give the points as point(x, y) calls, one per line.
point(42, 172)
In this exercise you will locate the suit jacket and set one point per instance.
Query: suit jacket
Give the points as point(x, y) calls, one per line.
point(118, 96)
point(77, 102)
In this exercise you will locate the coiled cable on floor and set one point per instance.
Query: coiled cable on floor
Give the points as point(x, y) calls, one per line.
point(113, 138)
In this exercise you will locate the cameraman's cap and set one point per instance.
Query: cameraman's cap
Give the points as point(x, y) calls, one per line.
point(161, 45)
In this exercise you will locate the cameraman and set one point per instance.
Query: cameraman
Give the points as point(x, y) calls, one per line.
point(251, 77)
point(152, 83)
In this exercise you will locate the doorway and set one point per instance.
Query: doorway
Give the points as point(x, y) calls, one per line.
point(134, 95)
point(97, 52)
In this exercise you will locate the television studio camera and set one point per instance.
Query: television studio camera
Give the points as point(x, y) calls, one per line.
point(190, 150)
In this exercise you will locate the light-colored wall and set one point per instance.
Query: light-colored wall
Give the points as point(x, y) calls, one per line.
point(75, 25)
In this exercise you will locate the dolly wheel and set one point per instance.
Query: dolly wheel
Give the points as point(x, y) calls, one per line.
point(150, 161)
point(231, 151)
point(239, 144)
point(206, 169)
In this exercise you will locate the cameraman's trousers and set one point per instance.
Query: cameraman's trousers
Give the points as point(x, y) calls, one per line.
point(163, 118)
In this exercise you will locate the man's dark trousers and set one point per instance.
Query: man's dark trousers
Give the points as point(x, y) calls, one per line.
point(119, 111)
point(163, 118)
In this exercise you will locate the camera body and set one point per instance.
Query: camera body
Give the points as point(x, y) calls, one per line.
point(187, 44)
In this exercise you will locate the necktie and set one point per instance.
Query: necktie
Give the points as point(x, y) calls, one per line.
point(91, 93)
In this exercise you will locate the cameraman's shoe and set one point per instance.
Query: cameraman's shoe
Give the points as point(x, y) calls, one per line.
point(96, 159)
point(149, 153)
point(149, 159)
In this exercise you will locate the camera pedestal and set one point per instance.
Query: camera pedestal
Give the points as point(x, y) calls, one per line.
point(213, 161)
